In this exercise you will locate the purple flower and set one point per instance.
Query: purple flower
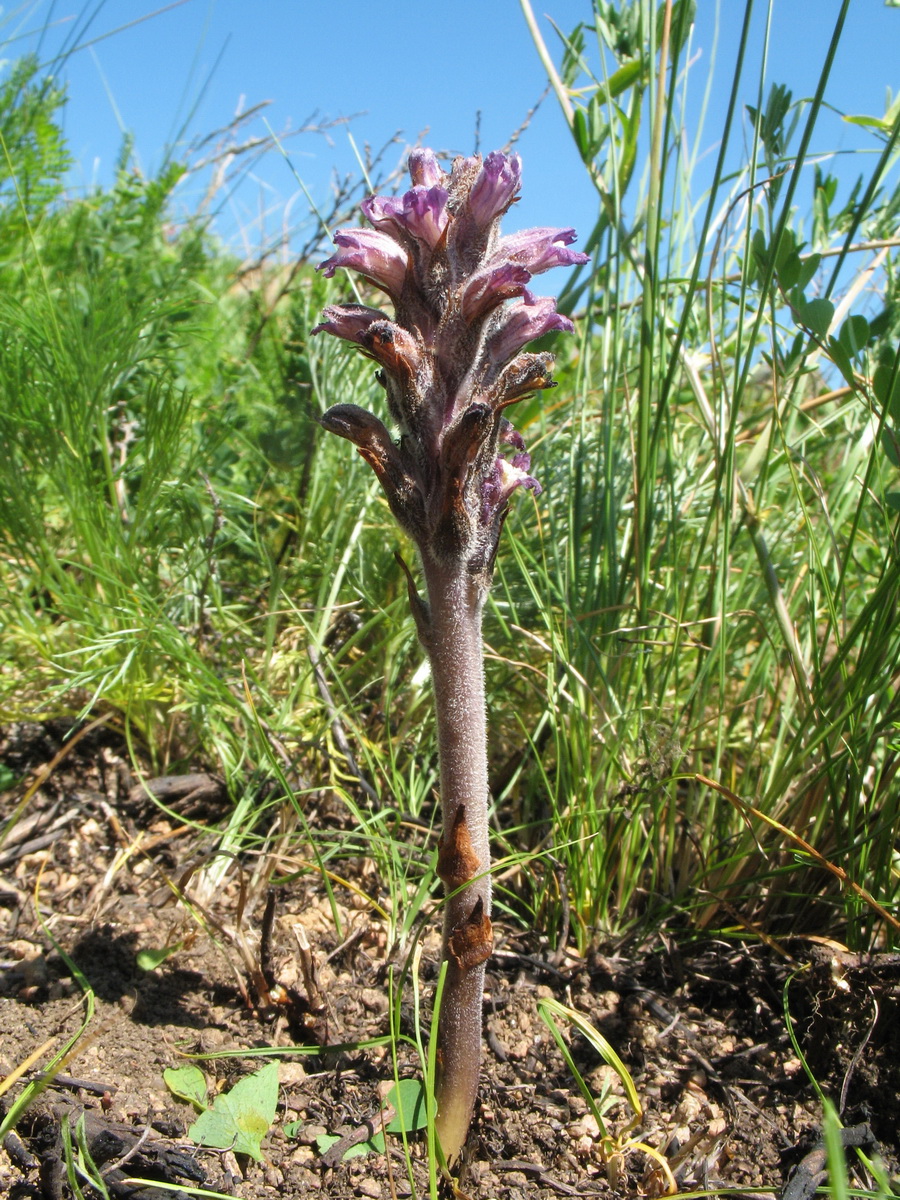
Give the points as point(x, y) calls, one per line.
point(421, 212)
point(540, 249)
point(522, 323)
point(501, 482)
point(490, 287)
point(496, 187)
point(423, 168)
point(348, 321)
point(510, 436)
point(373, 254)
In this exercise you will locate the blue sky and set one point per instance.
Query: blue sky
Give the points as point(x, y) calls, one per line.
point(396, 67)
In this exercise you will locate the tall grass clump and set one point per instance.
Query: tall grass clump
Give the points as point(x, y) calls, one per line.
point(169, 548)
point(717, 581)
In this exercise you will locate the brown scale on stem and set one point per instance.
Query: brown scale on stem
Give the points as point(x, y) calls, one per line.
point(457, 861)
point(472, 942)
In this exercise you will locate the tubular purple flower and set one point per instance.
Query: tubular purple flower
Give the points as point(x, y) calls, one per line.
point(490, 287)
point(496, 187)
point(510, 436)
point(373, 254)
point(424, 169)
point(425, 214)
point(348, 321)
point(421, 211)
point(540, 249)
point(515, 474)
point(383, 212)
point(522, 323)
point(500, 484)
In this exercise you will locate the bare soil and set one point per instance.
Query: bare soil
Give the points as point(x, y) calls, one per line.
point(90, 877)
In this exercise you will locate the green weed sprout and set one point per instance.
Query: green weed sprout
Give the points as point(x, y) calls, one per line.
point(450, 363)
point(613, 1144)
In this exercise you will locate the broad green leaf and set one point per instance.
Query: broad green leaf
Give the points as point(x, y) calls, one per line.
point(788, 250)
point(841, 360)
point(623, 78)
point(580, 134)
point(808, 268)
point(789, 271)
point(187, 1083)
point(873, 122)
point(240, 1119)
point(854, 334)
point(408, 1098)
point(759, 248)
point(886, 386)
point(816, 315)
point(892, 499)
point(891, 446)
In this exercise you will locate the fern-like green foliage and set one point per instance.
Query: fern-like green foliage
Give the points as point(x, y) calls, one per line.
point(33, 152)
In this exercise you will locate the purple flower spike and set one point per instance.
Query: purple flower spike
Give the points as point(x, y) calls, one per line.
point(424, 170)
point(496, 187)
point(450, 356)
point(540, 249)
point(373, 254)
point(522, 323)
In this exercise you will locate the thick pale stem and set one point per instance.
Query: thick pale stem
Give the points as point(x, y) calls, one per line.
point(457, 668)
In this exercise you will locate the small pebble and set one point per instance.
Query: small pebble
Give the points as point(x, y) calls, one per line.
point(308, 1134)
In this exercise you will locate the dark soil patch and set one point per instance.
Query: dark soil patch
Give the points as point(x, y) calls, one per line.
point(88, 880)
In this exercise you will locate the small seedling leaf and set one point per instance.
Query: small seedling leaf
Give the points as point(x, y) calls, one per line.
point(408, 1097)
point(240, 1119)
point(149, 960)
point(187, 1083)
point(374, 1146)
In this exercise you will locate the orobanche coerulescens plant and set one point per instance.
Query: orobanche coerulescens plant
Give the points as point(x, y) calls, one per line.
point(450, 363)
